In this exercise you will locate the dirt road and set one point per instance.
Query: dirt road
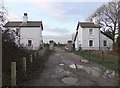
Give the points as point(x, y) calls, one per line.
point(68, 69)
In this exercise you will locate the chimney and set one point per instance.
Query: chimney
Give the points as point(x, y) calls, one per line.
point(25, 18)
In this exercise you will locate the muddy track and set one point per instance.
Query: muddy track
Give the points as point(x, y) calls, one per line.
point(68, 69)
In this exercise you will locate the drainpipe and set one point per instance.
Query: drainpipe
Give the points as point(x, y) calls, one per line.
point(99, 39)
point(119, 40)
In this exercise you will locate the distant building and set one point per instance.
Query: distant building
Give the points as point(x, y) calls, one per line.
point(89, 37)
point(69, 45)
point(29, 32)
point(51, 45)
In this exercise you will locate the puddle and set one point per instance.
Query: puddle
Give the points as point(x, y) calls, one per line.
point(61, 64)
point(73, 66)
point(70, 80)
point(79, 66)
point(96, 68)
point(85, 61)
point(96, 71)
point(67, 62)
point(60, 72)
point(57, 54)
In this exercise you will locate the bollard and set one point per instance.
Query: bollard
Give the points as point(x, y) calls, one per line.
point(24, 64)
point(31, 58)
point(13, 74)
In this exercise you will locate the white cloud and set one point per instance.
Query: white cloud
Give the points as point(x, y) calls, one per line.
point(13, 17)
point(59, 0)
point(62, 39)
point(49, 7)
point(56, 31)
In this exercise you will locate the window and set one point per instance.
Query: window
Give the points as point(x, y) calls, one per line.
point(90, 31)
point(104, 43)
point(90, 42)
point(29, 42)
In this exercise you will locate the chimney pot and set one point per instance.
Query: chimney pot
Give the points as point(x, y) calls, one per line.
point(25, 18)
point(25, 14)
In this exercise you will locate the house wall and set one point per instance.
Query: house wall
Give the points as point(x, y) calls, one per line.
point(78, 41)
point(109, 42)
point(83, 38)
point(86, 37)
point(33, 34)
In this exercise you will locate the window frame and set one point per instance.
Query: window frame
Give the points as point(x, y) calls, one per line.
point(91, 43)
point(29, 43)
point(91, 32)
point(104, 43)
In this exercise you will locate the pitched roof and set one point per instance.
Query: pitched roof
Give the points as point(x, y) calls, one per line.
point(23, 24)
point(106, 35)
point(88, 25)
point(75, 36)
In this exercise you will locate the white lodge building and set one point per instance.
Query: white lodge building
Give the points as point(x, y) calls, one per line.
point(29, 32)
point(89, 37)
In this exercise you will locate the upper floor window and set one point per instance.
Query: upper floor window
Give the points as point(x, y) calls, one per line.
point(104, 43)
point(90, 31)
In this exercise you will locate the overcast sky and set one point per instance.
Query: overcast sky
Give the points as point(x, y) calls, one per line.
point(59, 17)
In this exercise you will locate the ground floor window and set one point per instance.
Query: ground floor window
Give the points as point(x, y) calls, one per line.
point(104, 43)
point(90, 43)
point(29, 42)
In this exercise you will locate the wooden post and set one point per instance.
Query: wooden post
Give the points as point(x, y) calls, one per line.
point(0, 56)
point(35, 55)
point(89, 55)
point(102, 56)
point(119, 41)
point(13, 74)
point(24, 64)
point(31, 58)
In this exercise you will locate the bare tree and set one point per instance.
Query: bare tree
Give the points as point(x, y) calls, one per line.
point(119, 25)
point(107, 15)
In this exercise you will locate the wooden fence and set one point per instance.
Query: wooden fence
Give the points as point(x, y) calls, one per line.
point(32, 57)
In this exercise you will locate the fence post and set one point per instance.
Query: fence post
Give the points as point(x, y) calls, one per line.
point(13, 74)
point(89, 55)
point(102, 57)
point(31, 58)
point(35, 55)
point(24, 64)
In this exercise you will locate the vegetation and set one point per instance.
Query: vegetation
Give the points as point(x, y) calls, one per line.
point(107, 15)
point(106, 58)
point(11, 52)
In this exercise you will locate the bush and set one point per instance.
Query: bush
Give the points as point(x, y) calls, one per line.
point(10, 52)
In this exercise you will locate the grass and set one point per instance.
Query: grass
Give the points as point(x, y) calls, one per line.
point(106, 59)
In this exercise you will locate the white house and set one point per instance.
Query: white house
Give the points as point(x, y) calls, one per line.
point(89, 37)
point(29, 32)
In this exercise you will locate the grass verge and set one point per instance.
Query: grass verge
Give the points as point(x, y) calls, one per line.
point(105, 58)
